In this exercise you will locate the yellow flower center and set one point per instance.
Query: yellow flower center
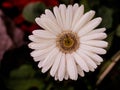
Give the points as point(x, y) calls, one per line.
point(67, 42)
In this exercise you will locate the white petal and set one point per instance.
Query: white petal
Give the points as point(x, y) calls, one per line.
point(91, 68)
point(37, 20)
point(34, 45)
point(50, 56)
point(75, 7)
point(41, 52)
point(89, 26)
point(96, 43)
point(43, 34)
point(48, 66)
point(98, 63)
point(49, 60)
point(50, 15)
point(62, 8)
point(77, 15)
point(88, 60)
point(80, 71)
point(71, 67)
point(66, 77)
point(61, 70)
point(37, 39)
point(69, 16)
point(99, 30)
point(84, 19)
point(96, 36)
point(40, 64)
point(93, 56)
point(56, 64)
point(93, 49)
point(42, 16)
point(34, 38)
point(50, 25)
point(40, 57)
point(80, 62)
point(56, 77)
point(58, 16)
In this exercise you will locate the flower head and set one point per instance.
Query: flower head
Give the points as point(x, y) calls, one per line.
point(68, 44)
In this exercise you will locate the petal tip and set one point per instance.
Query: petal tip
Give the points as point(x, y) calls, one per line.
point(31, 54)
point(99, 19)
point(104, 29)
point(82, 6)
point(29, 37)
point(76, 4)
point(37, 19)
point(92, 12)
point(62, 5)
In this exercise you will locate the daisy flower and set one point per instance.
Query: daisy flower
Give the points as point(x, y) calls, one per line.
point(68, 45)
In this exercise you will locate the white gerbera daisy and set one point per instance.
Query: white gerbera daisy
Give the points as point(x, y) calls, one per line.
point(68, 44)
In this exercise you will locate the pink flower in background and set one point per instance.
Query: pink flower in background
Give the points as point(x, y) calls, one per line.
point(5, 41)
point(9, 40)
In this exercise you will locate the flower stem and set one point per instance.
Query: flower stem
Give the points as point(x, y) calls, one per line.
point(113, 60)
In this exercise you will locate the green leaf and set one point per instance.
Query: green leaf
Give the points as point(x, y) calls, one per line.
point(118, 31)
point(106, 14)
point(33, 10)
point(21, 84)
point(25, 71)
point(24, 78)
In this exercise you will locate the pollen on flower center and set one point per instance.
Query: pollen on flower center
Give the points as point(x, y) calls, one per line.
point(67, 42)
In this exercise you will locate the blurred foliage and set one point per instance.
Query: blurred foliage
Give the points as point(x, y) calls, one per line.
point(33, 10)
point(23, 84)
point(18, 71)
point(106, 12)
point(23, 79)
point(25, 71)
